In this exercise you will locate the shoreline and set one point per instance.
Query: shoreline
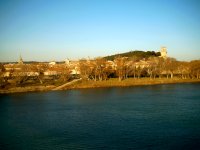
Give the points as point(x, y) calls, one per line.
point(37, 88)
point(85, 84)
point(130, 82)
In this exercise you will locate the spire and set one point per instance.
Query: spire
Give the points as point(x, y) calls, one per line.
point(20, 60)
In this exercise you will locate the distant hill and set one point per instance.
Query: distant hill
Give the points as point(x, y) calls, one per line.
point(137, 53)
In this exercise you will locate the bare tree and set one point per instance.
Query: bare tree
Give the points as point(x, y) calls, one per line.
point(41, 68)
point(152, 68)
point(195, 69)
point(155, 67)
point(64, 72)
point(121, 67)
point(99, 68)
point(160, 66)
point(139, 70)
point(170, 66)
point(132, 69)
point(183, 69)
point(3, 79)
point(86, 68)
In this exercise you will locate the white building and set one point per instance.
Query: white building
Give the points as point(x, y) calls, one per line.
point(52, 63)
point(163, 52)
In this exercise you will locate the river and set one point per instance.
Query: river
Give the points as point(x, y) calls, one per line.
point(140, 117)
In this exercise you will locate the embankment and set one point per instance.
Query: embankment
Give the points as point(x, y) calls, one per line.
point(27, 89)
point(129, 82)
point(79, 84)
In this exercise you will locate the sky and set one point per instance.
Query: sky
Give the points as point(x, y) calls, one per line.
point(55, 30)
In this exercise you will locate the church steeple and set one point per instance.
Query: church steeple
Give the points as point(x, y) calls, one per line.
point(20, 60)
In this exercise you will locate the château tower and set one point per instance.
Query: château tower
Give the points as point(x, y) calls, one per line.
point(163, 52)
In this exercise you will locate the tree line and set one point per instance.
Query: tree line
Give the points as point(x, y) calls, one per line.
point(137, 54)
point(125, 67)
point(99, 69)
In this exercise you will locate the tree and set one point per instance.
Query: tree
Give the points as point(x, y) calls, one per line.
point(183, 69)
point(41, 68)
point(160, 66)
point(99, 65)
point(195, 69)
point(107, 72)
point(137, 53)
point(131, 66)
point(152, 68)
point(156, 66)
point(3, 80)
point(170, 66)
point(64, 72)
point(121, 67)
point(139, 70)
point(85, 68)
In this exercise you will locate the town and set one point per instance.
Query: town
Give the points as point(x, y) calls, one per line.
point(152, 66)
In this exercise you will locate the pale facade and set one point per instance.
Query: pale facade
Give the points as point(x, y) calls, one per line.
point(163, 52)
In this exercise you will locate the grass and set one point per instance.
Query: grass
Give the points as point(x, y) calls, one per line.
point(113, 82)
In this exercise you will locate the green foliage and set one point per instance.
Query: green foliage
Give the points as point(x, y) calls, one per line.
point(136, 53)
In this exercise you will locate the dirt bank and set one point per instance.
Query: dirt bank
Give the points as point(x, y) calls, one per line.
point(128, 82)
point(79, 84)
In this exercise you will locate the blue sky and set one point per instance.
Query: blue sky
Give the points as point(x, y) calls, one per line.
point(45, 30)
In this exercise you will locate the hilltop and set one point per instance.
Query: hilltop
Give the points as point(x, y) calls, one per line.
point(136, 53)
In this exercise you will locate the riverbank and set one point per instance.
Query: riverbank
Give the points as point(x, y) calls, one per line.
point(80, 84)
point(128, 82)
point(66, 84)
point(27, 89)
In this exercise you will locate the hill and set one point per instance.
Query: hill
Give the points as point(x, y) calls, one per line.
point(137, 53)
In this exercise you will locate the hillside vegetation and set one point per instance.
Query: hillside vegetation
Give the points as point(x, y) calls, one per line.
point(137, 53)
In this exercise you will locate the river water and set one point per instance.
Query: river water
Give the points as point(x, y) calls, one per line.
point(141, 117)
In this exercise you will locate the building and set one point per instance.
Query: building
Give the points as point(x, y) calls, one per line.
point(163, 52)
point(52, 63)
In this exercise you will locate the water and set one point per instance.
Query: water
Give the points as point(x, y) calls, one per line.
point(143, 117)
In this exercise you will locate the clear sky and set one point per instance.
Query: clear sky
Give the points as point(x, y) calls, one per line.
point(45, 30)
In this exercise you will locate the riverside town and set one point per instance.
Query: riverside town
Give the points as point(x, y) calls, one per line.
point(125, 69)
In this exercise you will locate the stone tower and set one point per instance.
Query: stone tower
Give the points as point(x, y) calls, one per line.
point(163, 52)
